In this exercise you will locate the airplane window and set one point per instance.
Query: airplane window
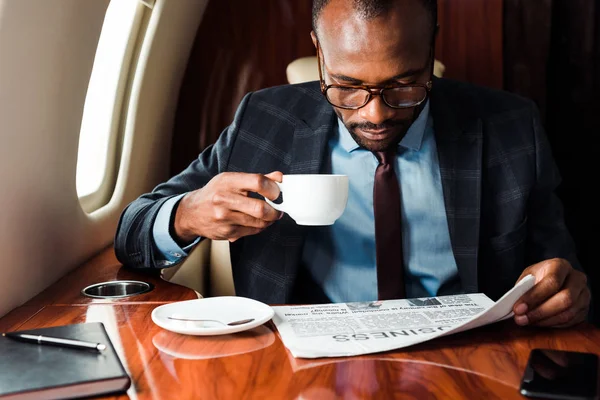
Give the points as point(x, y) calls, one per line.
point(104, 103)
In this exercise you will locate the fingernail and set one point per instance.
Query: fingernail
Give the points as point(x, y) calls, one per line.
point(521, 309)
point(522, 320)
point(280, 215)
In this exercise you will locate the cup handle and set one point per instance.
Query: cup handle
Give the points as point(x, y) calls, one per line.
point(278, 207)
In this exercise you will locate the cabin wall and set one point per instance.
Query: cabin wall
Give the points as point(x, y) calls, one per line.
point(47, 50)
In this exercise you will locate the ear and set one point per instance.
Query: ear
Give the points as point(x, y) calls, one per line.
point(313, 36)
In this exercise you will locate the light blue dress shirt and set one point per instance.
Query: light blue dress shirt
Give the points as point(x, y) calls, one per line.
point(341, 257)
point(170, 250)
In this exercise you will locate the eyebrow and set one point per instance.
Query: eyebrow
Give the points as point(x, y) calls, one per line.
point(406, 74)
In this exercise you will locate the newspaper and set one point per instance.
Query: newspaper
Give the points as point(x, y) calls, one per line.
point(348, 329)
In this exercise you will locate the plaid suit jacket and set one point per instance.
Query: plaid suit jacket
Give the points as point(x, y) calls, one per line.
point(498, 177)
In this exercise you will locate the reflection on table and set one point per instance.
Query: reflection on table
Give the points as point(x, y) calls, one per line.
point(483, 363)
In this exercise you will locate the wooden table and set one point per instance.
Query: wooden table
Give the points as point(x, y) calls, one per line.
point(485, 363)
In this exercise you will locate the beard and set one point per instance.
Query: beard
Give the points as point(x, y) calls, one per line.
point(396, 130)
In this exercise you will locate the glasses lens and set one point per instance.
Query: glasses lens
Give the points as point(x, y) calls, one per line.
point(404, 97)
point(347, 97)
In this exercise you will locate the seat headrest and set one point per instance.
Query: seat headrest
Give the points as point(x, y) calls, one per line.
point(304, 69)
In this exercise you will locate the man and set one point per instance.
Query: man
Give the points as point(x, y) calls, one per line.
point(459, 181)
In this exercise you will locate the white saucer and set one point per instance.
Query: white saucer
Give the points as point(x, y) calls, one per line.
point(221, 308)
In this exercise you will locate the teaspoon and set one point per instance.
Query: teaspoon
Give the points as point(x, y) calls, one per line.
point(232, 323)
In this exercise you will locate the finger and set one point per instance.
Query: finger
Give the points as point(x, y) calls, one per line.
point(241, 231)
point(243, 183)
point(234, 232)
point(228, 219)
point(520, 308)
point(569, 317)
point(563, 320)
point(579, 318)
point(526, 271)
point(553, 278)
point(563, 300)
point(256, 208)
point(248, 221)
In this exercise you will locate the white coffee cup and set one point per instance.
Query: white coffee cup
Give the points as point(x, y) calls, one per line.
point(313, 199)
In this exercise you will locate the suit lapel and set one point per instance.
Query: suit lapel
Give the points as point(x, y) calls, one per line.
point(308, 153)
point(459, 145)
point(311, 135)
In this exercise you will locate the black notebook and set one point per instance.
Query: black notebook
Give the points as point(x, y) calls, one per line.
point(33, 371)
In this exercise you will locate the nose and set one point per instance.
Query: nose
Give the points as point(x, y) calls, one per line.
point(376, 111)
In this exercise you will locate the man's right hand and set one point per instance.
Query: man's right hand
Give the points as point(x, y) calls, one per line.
point(222, 210)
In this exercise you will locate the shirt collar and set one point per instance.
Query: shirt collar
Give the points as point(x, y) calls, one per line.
point(412, 140)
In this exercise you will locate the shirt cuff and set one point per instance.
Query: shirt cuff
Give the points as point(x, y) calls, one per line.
point(166, 245)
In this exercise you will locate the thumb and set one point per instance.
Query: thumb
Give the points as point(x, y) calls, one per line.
point(534, 270)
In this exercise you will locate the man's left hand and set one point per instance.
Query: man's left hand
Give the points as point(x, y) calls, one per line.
point(560, 297)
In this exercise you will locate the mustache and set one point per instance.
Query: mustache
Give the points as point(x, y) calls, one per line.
point(369, 126)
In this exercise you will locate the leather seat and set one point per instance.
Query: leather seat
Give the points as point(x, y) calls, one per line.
point(305, 69)
point(207, 270)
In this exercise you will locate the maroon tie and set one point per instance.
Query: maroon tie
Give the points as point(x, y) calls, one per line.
point(388, 232)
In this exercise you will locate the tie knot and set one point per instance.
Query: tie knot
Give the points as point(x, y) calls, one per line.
point(385, 157)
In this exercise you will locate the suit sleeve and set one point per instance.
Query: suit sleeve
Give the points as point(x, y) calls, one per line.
point(134, 244)
point(549, 236)
point(168, 249)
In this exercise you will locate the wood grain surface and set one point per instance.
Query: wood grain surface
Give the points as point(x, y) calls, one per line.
point(481, 363)
point(484, 363)
point(103, 268)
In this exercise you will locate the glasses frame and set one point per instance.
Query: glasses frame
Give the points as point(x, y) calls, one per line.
point(373, 90)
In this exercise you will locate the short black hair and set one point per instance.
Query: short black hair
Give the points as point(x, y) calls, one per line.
point(373, 8)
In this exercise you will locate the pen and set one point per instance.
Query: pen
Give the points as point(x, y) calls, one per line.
point(54, 341)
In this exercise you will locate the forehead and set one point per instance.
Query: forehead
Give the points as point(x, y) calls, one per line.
point(380, 47)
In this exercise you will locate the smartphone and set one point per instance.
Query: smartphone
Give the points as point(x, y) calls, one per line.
point(563, 375)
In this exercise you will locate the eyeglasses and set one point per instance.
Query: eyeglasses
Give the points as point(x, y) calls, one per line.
point(353, 97)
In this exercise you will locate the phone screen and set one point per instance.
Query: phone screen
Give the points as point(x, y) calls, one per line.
point(555, 374)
